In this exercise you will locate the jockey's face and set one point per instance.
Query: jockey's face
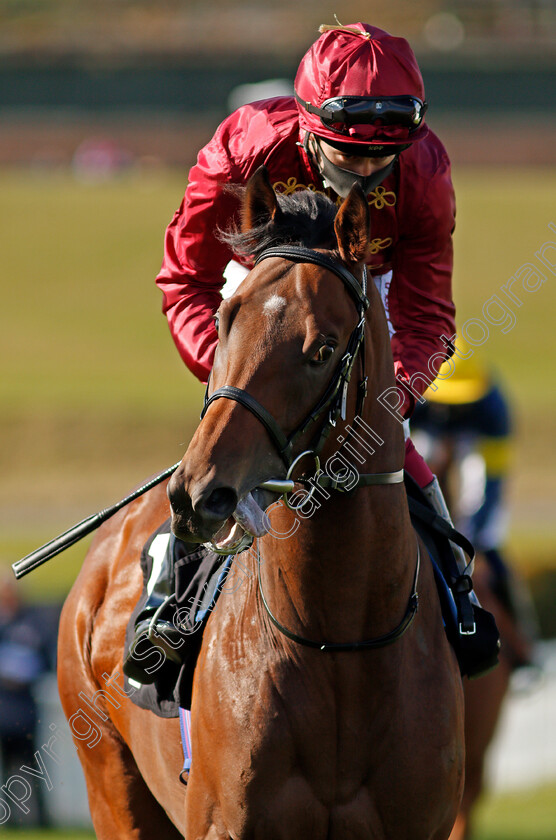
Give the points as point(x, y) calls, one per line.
point(364, 166)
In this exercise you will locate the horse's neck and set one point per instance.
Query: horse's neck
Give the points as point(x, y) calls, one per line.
point(346, 570)
point(345, 573)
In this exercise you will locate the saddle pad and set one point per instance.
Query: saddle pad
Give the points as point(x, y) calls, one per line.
point(441, 556)
point(198, 577)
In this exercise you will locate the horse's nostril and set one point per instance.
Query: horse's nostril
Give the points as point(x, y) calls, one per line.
point(220, 503)
point(176, 494)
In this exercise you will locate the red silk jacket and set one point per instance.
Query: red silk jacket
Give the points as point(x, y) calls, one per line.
point(412, 219)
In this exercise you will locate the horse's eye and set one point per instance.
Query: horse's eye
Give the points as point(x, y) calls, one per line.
point(323, 354)
point(216, 321)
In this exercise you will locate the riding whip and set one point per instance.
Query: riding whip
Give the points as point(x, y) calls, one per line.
point(82, 529)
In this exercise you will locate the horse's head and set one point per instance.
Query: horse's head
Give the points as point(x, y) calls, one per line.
point(280, 365)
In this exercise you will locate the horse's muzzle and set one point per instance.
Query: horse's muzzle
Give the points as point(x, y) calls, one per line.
point(216, 515)
point(197, 518)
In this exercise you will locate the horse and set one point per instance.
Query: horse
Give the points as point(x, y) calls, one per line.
point(483, 697)
point(483, 700)
point(327, 701)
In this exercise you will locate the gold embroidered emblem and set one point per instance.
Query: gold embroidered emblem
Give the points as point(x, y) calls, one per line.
point(292, 186)
point(376, 245)
point(381, 197)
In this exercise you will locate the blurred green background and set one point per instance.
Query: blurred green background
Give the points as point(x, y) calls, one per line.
point(95, 397)
point(103, 106)
point(524, 816)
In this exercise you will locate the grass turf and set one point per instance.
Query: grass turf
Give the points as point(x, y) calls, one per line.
point(95, 397)
point(527, 815)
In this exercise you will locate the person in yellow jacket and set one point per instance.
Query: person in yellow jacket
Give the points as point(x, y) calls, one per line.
point(466, 423)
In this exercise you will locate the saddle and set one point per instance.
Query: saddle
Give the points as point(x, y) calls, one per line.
point(471, 630)
point(159, 673)
point(197, 576)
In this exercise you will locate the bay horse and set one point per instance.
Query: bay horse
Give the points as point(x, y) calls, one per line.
point(325, 704)
point(483, 697)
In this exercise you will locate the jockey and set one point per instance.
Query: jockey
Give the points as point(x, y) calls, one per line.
point(466, 424)
point(357, 115)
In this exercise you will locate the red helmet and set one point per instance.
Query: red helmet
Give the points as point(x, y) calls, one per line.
point(358, 84)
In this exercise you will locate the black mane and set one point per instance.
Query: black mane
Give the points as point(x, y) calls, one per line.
point(307, 219)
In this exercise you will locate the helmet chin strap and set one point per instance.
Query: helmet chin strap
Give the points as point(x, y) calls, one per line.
point(342, 180)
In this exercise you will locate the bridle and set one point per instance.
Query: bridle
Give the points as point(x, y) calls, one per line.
point(334, 398)
point(334, 401)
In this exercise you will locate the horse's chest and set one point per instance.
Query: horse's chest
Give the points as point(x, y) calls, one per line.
point(322, 752)
point(294, 723)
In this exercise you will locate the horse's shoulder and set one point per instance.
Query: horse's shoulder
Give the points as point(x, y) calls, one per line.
point(110, 580)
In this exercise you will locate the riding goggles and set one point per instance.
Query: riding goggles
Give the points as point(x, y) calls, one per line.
point(342, 112)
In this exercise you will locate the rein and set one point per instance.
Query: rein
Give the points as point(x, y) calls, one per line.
point(334, 398)
point(342, 647)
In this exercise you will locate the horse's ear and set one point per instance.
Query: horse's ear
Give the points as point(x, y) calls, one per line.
point(260, 204)
point(352, 226)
